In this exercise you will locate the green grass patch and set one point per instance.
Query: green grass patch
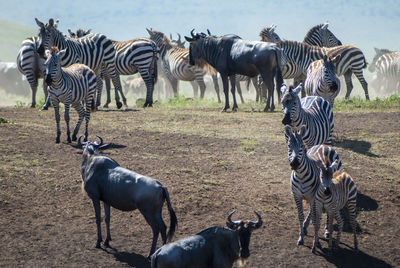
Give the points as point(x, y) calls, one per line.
point(3, 120)
point(359, 103)
point(184, 102)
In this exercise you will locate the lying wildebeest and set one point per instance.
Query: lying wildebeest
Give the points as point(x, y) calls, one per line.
point(212, 247)
point(104, 180)
point(231, 55)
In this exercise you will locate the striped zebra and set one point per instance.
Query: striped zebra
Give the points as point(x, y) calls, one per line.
point(70, 85)
point(386, 63)
point(336, 190)
point(314, 112)
point(93, 50)
point(321, 36)
point(304, 178)
point(352, 60)
point(175, 64)
point(322, 80)
point(138, 55)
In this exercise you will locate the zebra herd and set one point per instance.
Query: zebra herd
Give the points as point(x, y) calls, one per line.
point(75, 66)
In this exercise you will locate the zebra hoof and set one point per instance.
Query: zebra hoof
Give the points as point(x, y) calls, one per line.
point(119, 104)
point(44, 108)
point(300, 242)
point(69, 140)
point(58, 140)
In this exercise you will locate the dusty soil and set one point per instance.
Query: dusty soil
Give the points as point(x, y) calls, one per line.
point(211, 163)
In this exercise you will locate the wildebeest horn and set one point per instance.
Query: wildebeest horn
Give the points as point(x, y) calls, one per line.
point(258, 223)
point(79, 141)
point(229, 221)
point(179, 37)
point(191, 32)
point(208, 31)
point(101, 142)
point(70, 32)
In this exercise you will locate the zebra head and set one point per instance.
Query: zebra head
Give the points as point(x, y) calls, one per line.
point(329, 72)
point(79, 33)
point(326, 174)
point(53, 64)
point(328, 38)
point(290, 103)
point(268, 34)
point(379, 53)
point(295, 144)
point(47, 34)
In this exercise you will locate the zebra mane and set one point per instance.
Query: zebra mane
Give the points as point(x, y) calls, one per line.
point(289, 43)
point(338, 176)
point(54, 49)
point(313, 30)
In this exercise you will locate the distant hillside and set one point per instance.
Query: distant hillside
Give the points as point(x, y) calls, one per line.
point(11, 36)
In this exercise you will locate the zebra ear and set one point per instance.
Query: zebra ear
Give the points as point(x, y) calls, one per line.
point(272, 27)
point(39, 23)
point(149, 31)
point(47, 53)
point(325, 26)
point(298, 88)
point(51, 22)
point(283, 89)
point(56, 23)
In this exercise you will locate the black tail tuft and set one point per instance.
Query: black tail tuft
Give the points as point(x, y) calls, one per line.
point(173, 219)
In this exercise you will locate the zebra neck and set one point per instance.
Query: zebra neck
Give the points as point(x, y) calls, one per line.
point(305, 169)
point(300, 119)
point(59, 80)
point(60, 41)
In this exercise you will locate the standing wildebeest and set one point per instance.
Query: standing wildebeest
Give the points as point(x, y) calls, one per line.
point(105, 180)
point(213, 247)
point(231, 55)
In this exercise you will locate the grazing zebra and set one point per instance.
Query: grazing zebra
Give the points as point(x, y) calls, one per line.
point(336, 190)
point(314, 112)
point(94, 50)
point(133, 56)
point(322, 80)
point(175, 64)
point(70, 85)
point(386, 63)
point(352, 60)
point(304, 178)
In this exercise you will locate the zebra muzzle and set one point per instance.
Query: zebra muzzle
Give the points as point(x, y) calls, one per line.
point(327, 191)
point(286, 120)
point(48, 79)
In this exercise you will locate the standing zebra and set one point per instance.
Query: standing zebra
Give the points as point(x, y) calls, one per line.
point(304, 178)
point(94, 50)
point(70, 85)
point(386, 63)
point(314, 112)
point(175, 64)
point(322, 80)
point(352, 60)
point(336, 190)
point(320, 36)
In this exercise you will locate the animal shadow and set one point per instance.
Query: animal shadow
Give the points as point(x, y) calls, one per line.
point(132, 259)
point(361, 147)
point(118, 110)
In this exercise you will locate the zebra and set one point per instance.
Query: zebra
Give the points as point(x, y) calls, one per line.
point(322, 80)
point(304, 178)
point(336, 190)
point(70, 85)
point(320, 36)
point(314, 112)
point(133, 56)
point(352, 60)
point(93, 50)
point(386, 63)
point(175, 64)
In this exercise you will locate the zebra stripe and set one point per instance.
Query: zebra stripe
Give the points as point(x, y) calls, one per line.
point(304, 178)
point(70, 85)
point(93, 50)
point(320, 36)
point(313, 112)
point(386, 63)
point(336, 190)
point(352, 60)
point(322, 80)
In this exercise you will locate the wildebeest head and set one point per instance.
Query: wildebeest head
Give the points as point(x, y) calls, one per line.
point(53, 64)
point(178, 42)
point(89, 147)
point(329, 72)
point(290, 103)
point(46, 35)
point(268, 34)
point(79, 33)
point(244, 229)
point(295, 145)
point(326, 174)
point(195, 55)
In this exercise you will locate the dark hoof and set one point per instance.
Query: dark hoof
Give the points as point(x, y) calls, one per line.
point(300, 242)
point(107, 243)
point(98, 245)
point(57, 140)
point(119, 104)
point(44, 108)
point(74, 137)
point(33, 106)
point(105, 105)
point(69, 140)
point(265, 110)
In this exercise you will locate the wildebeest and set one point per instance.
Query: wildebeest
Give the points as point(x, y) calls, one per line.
point(212, 247)
point(105, 180)
point(230, 55)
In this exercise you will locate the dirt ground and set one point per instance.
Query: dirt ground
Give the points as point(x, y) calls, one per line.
point(211, 163)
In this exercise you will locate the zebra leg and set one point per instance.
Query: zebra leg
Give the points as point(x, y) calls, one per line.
point(340, 223)
point(107, 220)
point(33, 85)
point(99, 83)
point(308, 218)
point(233, 87)
point(57, 115)
point(149, 82)
point(349, 83)
point(81, 112)
point(316, 218)
point(351, 205)
point(117, 85)
point(202, 86)
point(364, 84)
point(327, 233)
point(66, 117)
point(216, 86)
point(239, 90)
point(299, 205)
point(108, 88)
point(195, 89)
point(226, 91)
point(46, 96)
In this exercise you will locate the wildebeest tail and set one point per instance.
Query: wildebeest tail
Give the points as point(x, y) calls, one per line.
point(172, 215)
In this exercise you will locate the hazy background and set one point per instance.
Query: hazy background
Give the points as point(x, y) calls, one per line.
point(366, 24)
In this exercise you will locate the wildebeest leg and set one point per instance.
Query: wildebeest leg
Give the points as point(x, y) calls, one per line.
point(232, 78)
point(96, 205)
point(57, 115)
point(226, 91)
point(349, 83)
point(107, 220)
point(239, 89)
point(152, 221)
point(195, 89)
point(81, 112)
point(269, 83)
point(360, 77)
point(216, 86)
point(66, 117)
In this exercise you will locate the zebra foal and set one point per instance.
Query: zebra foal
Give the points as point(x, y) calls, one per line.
point(336, 190)
point(70, 85)
point(322, 80)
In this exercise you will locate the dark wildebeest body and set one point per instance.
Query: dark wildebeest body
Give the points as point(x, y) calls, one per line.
point(104, 180)
point(212, 247)
point(231, 55)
